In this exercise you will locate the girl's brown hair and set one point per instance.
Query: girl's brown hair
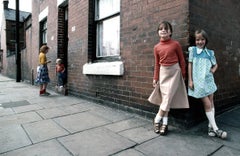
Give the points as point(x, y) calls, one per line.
point(44, 48)
point(203, 33)
point(166, 25)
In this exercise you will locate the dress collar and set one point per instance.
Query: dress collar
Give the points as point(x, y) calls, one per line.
point(199, 50)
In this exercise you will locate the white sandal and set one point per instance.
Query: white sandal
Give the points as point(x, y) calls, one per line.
point(211, 132)
point(221, 134)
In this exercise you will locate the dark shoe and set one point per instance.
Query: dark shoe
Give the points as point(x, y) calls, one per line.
point(156, 127)
point(164, 130)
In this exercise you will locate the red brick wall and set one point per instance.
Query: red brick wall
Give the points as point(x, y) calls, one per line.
point(139, 21)
point(38, 7)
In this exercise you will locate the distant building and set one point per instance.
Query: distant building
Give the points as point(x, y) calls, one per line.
point(8, 35)
point(107, 48)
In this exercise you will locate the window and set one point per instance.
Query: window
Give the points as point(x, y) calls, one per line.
point(107, 18)
point(43, 32)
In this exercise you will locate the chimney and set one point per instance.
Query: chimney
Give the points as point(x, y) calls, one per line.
point(5, 4)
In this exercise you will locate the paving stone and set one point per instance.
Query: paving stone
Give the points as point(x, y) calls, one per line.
point(49, 148)
point(81, 121)
point(129, 152)
point(15, 104)
point(111, 114)
point(140, 134)
point(127, 124)
point(61, 111)
point(100, 142)
point(19, 118)
point(6, 111)
point(226, 151)
point(227, 118)
point(44, 130)
point(26, 108)
point(179, 144)
point(233, 138)
point(12, 137)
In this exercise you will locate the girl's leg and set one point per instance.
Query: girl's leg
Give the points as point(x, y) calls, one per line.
point(159, 116)
point(44, 88)
point(157, 120)
point(212, 108)
point(211, 118)
point(41, 89)
point(208, 110)
point(162, 129)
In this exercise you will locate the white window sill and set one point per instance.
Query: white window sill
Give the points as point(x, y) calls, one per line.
point(104, 68)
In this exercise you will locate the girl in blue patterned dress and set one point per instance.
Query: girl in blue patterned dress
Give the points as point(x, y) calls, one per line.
point(201, 67)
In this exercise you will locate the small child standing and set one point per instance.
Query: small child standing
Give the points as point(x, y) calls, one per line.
point(202, 65)
point(60, 71)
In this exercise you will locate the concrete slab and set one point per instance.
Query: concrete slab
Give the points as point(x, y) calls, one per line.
point(140, 134)
point(129, 152)
point(43, 130)
point(226, 151)
point(179, 144)
point(81, 121)
point(61, 111)
point(227, 118)
point(26, 108)
point(233, 139)
point(49, 148)
point(127, 124)
point(5, 111)
point(12, 137)
point(100, 142)
point(111, 114)
point(19, 118)
point(15, 104)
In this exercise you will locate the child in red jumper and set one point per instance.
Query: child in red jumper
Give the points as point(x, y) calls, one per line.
point(60, 71)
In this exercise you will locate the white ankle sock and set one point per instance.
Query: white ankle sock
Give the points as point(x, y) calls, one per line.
point(157, 119)
point(211, 119)
point(209, 124)
point(165, 120)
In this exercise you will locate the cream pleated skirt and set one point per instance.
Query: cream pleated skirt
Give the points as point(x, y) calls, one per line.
point(172, 88)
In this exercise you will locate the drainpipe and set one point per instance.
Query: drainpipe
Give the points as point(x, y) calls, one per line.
point(18, 54)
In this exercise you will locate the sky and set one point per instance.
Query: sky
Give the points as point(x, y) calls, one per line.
point(24, 5)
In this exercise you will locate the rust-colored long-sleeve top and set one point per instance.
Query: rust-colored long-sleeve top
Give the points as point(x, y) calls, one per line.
point(168, 53)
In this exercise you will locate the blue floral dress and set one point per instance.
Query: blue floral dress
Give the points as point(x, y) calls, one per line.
point(203, 80)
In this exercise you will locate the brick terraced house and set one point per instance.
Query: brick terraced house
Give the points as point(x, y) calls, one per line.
point(107, 47)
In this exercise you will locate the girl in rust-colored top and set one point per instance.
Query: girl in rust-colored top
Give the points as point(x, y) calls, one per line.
point(169, 73)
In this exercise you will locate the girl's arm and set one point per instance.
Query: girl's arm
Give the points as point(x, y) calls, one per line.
point(214, 68)
point(190, 80)
point(156, 68)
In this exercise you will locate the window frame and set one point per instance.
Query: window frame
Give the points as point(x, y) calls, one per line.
point(43, 32)
point(98, 23)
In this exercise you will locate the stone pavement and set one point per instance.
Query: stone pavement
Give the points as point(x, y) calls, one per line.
point(58, 125)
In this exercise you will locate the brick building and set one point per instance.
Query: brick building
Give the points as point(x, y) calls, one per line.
point(8, 37)
point(107, 47)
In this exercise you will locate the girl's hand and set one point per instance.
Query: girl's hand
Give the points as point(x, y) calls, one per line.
point(191, 85)
point(154, 83)
point(212, 70)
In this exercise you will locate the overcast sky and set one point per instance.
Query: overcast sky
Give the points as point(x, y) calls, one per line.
point(24, 5)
